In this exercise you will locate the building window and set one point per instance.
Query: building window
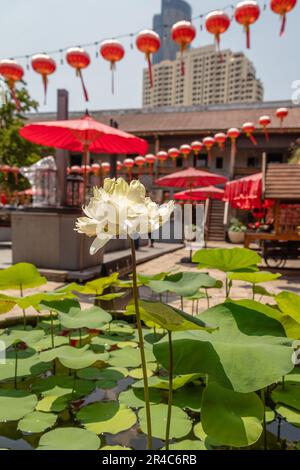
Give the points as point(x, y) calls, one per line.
point(202, 161)
point(252, 162)
point(275, 158)
point(219, 163)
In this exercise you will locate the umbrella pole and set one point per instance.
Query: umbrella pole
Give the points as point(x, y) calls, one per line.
point(85, 183)
point(232, 160)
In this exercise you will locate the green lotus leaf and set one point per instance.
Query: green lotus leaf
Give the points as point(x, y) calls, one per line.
point(208, 441)
point(128, 357)
point(294, 376)
point(7, 303)
point(106, 417)
point(37, 422)
point(270, 415)
point(146, 278)
point(69, 439)
point(181, 425)
point(262, 291)
point(62, 306)
point(15, 404)
point(46, 343)
point(198, 296)
point(109, 378)
point(246, 316)
point(289, 304)
point(53, 403)
point(92, 318)
point(23, 275)
point(28, 364)
point(234, 419)
point(163, 382)
point(31, 337)
point(73, 358)
point(127, 344)
point(292, 416)
point(35, 300)
point(167, 317)
point(189, 397)
point(289, 396)
point(227, 260)
point(183, 284)
point(188, 445)
point(258, 277)
point(109, 297)
point(138, 373)
point(134, 398)
point(61, 385)
point(259, 361)
point(120, 328)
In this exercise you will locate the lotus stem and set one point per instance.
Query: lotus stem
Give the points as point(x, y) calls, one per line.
point(74, 384)
point(181, 303)
point(16, 367)
point(170, 398)
point(23, 309)
point(253, 292)
point(263, 397)
point(52, 331)
point(207, 298)
point(141, 343)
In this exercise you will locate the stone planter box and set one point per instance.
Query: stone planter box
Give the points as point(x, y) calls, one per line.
point(46, 238)
point(236, 237)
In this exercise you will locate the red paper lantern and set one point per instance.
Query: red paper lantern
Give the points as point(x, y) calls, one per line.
point(113, 52)
point(247, 13)
point(174, 154)
point(140, 162)
point(249, 128)
point(119, 166)
point(217, 23)
point(105, 167)
point(129, 164)
point(148, 42)
point(185, 150)
point(85, 169)
point(221, 138)
point(208, 143)
point(265, 121)
point(162, 156)
point(233, 133)
point(150, 160)
point(96, 168)
point(282, 114)
point(183, 33)
point(197, 146)
point(12, 72)
point(282, 7)
point(45, 66)
point(79, 59)
point(75, 169)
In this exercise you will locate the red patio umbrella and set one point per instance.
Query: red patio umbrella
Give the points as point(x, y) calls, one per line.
point(83, 135)
point(190, 178)
point(201, 194)
point(246, 193)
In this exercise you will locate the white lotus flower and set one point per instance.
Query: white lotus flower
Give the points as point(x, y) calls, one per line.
point(121, 210)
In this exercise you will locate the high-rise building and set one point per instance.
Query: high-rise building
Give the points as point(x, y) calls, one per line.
point(171, 12)
point(207, 80)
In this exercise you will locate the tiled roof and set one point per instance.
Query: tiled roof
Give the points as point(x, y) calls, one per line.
point(194, 119)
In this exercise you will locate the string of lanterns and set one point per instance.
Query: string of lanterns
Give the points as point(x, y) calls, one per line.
point(183, 33)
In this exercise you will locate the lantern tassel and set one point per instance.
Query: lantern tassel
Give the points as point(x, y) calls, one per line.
point(248, 37)
point(45, 83)
point(182, 64)
point(283, 24)
point(252, 138)
point(267, 135)
point(13, 95)
point(148, 56)
point(218, 43)
point(79, 73)
point(113, 68)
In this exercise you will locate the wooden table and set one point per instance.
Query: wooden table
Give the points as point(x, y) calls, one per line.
point(251, 237)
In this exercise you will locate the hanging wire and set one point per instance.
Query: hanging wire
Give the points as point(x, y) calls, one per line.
point(123, 36)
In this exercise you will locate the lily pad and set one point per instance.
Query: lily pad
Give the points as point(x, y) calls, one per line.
point(129, 357)
point(290, 396)
point(31, 337)
point(163, 382)
point(188, 445)
point(23, 275)
point(73, 358)
point(183, 284)
point(114, 448)
point(181, 425)
point(106, 417)
point(37, 422)
point(92, 318)
point(289, 304)
point(63, 385)
point(53, 403)
point(134, 398)
point(167, 317)
point(69, 439)
point(15, 404)
point(254, 278)
point(227, 260)
point(138, 373)
point(292, 416)
point(28, 364)
point(232, 418)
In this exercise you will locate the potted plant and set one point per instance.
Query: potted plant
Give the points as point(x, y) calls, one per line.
point(236, 231)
